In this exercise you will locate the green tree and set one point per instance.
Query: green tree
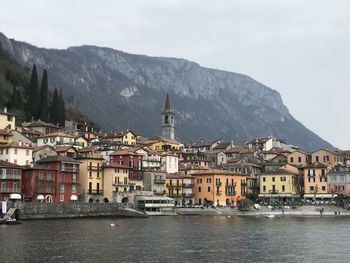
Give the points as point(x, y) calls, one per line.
point(33, 100)
point(43, 97)
point(62, 108)
point(55, 108)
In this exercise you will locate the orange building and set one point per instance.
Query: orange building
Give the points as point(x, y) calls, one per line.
point(219, 187)
point(315, 181)
point(326, 157)
point(298, 158)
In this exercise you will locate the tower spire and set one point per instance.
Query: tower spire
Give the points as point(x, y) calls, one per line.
point(167, 102)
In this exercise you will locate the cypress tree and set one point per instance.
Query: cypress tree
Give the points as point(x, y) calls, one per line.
point(43, 97)
point(62, 108)
point(55, 109)
point(33, 94)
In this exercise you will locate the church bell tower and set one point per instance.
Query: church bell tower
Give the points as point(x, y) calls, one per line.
point(168, 122)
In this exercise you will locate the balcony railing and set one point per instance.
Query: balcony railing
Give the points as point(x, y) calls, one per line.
point(159, 181)
point(95, 192)
point(94, 168)
point(188, 195)
point(10, 177)
point(188, 185)
point(231, 193)
point(120, 184)
point(218, 183)
point(177, 186)
point(69, 169)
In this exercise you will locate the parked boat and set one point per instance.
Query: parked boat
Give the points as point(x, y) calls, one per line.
point(269, 215)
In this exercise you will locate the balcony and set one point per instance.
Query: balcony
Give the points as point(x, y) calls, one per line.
point(95, 192)
point(218, 183)
point(176, 186)
point(162, 192)
point(218, 192)
point(94, 168)
point(121, 184)
point(187, 185)
point(231, 193)
point(159, 181)
point(10, 177)
point(69, 169)
point(188, 195)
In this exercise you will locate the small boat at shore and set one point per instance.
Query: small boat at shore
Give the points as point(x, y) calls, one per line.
point(269, 215)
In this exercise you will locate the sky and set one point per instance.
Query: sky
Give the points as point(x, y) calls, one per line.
point(299, 48)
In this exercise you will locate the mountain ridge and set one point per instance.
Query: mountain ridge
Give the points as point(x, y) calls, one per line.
point(121, 90)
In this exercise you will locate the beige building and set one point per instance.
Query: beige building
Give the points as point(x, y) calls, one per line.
point(298, 158)
point(325, 156)
point(116, 182)
point(7, 120)
point(91, 175)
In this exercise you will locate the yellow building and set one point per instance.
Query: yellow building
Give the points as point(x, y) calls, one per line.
point(7, 120)
point(279, 185)
point(160, 143)
point(5, 137)
point(124, 137)
point(91, 175)
point(116, 182)
point(81, 141)
point(221, 187)
point(181, 188)
point(174, 186)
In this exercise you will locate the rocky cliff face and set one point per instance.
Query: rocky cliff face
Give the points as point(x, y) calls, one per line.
point(120, 90)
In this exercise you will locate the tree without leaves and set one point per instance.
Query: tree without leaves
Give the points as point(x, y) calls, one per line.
point(43, 97)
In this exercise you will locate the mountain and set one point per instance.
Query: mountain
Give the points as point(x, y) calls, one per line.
point(120, 90)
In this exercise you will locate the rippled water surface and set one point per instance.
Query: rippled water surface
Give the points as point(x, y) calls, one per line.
point(178, 239)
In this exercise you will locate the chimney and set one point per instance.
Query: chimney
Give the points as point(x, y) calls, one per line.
point(5, 109)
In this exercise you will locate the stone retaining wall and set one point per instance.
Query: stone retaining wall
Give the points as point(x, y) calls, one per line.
point(75, 210)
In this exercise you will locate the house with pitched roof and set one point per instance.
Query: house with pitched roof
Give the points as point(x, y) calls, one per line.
point(7, 120)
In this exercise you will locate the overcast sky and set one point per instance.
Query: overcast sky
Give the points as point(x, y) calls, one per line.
point(297, 47)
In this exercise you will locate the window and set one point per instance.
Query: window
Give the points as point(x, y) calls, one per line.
point(283, 188)
point(74, 188)
point(61, 198)
point(3, 187)
point(15, 174)
point(15, 161)
point(283, 179)
point(27, 152)
point(299, 159)
point(208, 188)
point(323, 188)
point(273, 188)
point(208, 180)
point(312, 180)
point(291, 159)
point(312, 188)
point(14, 187)
point(323, 180)
point(62, 177)
point(273, 179)
point(264, 179)
point(316, 158)
point(264, 188)
point(90, 187)
point(74, 178)
point(40, 175)
point(15, 151)
point(62, 188)
point(199, 189)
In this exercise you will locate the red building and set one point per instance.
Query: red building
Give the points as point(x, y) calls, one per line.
point(67, 177)
point(131, 159)
point(39, 183)
point(10, 181)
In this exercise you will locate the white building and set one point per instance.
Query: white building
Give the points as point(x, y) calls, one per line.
point(16, 153)
point(7, 120)
point(57, 138)
point(169, 163)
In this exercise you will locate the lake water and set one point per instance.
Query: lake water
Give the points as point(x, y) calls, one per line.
point(178, 239)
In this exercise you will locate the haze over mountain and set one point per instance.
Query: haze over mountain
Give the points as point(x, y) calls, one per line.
point(120, 90)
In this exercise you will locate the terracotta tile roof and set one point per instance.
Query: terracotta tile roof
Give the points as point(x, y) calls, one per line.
point(175, 176)
point(316, 165)
point(9, 165)
point(58, 158)
point(57, 134)
point(31, 132)
point(37, 167)
point(193, 167)
point(15, 145)
point(61, 149)
point(204, 143)
point(156, 139)
point(40, 123)
point(279, 172)
point(43, 147)
point(217, 172)
point(5, 132)
point(124, 152)
point(87, 149)
point(115, 165)
point(324, 149)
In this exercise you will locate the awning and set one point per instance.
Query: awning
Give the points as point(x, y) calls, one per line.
point(40, 197)
point(15, 196)
point(277, 195)
point(73, 198)
point(320, 195)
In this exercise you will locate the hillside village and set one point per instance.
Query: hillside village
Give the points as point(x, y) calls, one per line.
point(42, 162)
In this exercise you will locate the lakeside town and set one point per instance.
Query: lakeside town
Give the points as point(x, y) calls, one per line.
point(41, 162)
